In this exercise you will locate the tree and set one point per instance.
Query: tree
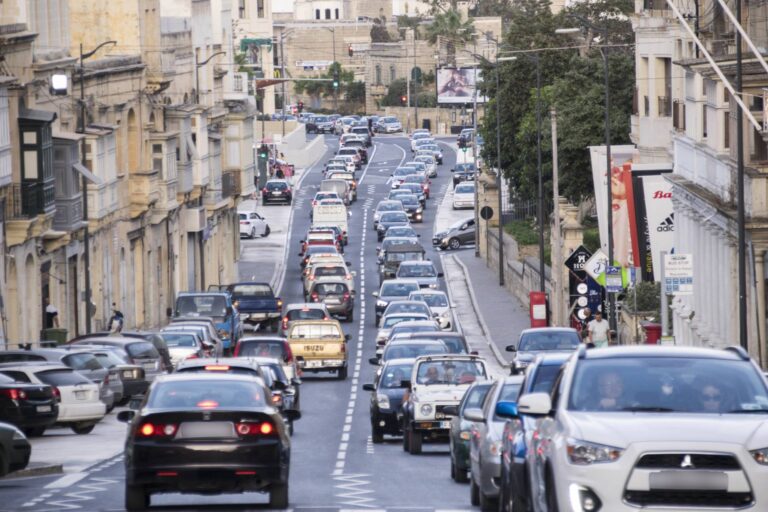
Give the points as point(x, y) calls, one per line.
point(500, 8)
point(379, 32)
point(406, 23)
point(448, 25)
point(348, 87)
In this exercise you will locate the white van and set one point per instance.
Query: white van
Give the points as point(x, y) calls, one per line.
point(331, 215)
point(341, 187)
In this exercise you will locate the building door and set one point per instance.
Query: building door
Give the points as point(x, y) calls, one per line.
point(191, 251)
point(138, 282)
point(73, 321)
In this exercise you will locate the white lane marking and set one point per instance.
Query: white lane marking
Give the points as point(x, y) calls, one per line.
point(369, 447)
point(370, 159)
point(66, 481)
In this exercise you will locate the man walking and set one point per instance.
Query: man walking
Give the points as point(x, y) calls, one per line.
point(598, 330)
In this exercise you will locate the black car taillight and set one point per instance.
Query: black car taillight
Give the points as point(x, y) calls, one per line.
point(14, 394)
point(264, 428)
point(166, 430)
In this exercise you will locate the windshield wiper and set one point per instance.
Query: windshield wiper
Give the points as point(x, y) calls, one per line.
point(646, 409)
point(748, 411)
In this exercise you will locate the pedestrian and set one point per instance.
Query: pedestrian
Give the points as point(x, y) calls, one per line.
point(599, 330)
point(279, 174)
point(116, 320)
point(51, 315)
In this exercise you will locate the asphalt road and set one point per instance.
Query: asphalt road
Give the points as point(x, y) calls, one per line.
point(335, 465)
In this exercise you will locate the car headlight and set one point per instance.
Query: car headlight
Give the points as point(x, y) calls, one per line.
point(381, 304)
point(376, 216)
point(584, 453)
point(382, 401)
point(18, 435)
point(760, 456)
point(419, 209)
point(425, 410)
point(433, 285)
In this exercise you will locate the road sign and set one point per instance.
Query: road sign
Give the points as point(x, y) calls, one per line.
point(613, 279)
point(486, 212)
point(578, 259)
point(596, 264)
point(678, 274)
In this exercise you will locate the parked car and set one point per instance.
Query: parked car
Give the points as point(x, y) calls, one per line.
point(163, 437)
point(387, 392)
point(252, 224)
point(80, 407)
point(276, 190)
point(485, 441)
point(131, 376)
point(461, 429)
point(389, 124)
point(15, 450)
point(138, 351)
point(30, 407)
point(459, 234)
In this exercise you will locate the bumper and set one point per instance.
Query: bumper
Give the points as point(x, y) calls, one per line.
point(73, 413)
point(387, 420)
point(322, 365)
point(416, 216)
point(269, 198)
point(259, 317)
point(200, 478)
point(28, 416)
point(463, 204)
point(435, 426)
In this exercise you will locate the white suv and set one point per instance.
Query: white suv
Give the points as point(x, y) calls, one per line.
point(437, 382)
point(671, 428)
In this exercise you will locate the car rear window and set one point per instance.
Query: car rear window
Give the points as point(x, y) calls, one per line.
point(207, 394)
point(394, 217)
point(389, 207)
point(13, 358)
point(276, 186)
point(331, 288)
point(142, 350)
point(4, 379)
point(398, 289)
point(391, 321)
point(413, 351)
point(16, 376)
point(61, 377)
point(258, 290)
point(315, 331)
point(464, 189)
point(109, 359)
point(541, 340)
point(82, 362)
point(262, 348)
point(305, 314)
point(180, 340)
point(330, 271)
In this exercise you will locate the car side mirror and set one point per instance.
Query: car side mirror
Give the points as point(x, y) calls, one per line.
point(373, 360)
point(535, 404)
point(126, 416)
point(375, 294)
point(511, 348)
point(506, 410)
point(349, 263)
point(368, 387)
point(279, 385)
point(169, 312)
point(474, 415)
point(451, 410)
point(439, 274)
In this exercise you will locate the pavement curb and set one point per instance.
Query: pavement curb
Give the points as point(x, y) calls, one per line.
point(41, 470)
point(486, 332)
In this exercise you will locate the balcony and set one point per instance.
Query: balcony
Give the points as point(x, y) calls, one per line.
point(144, 189)
point(24, 202)
point(69, 214)
point(230, 184)
point(664, 106)
point(184, 180)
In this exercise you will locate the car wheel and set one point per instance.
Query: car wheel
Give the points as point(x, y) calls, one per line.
point(454, 243)
point(461, 475)
point(5, 464)
point(474, 493)
point(377, 435)
point(267, 231)
point(406, 439)
point(551, 496)
point(278, 496)
point(253, 233)
point(83, 428)
point(34, 431)
point(136, 497)
point(290, 428)
point(414, 442)
point(342, 375)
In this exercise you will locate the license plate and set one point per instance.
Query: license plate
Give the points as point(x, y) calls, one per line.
point(312, 364)
point(445, 424)
point(149, 366)
point(313, 348)
point(43, 408)
point(277, 193)
point(689, 480)
point(81, 395)
point(128, 374)
point(206, 429)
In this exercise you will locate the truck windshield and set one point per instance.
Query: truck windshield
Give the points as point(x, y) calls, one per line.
point(201, 305)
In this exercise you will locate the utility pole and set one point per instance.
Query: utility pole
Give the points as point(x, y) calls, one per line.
point(741, 214)
point(336, 90)
point(477, 170)
point(282, 75)
point(499, 177)
point(557, 250)
point(416, 79)
point(542, 276)
point(609, 191)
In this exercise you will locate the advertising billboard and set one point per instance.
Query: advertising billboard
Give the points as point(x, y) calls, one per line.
point(458, 85)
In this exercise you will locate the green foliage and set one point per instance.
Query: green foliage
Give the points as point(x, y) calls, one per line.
point(571, 83)
point(379, 32)
point(500, 8)
point(450, 26)
point(523, 231)
point(395, 90)
point(405, 23)
point(591, 239)
point(356, 92)
point(648, 298)
point(325, 89)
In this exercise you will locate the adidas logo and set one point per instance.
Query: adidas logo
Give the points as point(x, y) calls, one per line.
point(667, 224)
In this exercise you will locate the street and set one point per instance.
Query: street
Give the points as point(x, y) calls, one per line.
point(335, 464)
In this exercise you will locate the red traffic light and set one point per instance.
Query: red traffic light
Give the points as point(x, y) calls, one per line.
point(403, 99)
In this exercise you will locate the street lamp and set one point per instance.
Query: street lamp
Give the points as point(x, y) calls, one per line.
point(84, 186)
point(335, 89)
point(198, 65)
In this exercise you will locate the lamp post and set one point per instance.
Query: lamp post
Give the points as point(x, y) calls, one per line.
point(335, 90)
point(84, 186)
point(198, 65)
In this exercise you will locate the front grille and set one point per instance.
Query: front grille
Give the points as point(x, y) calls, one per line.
point(692, 498)
point(692, 461)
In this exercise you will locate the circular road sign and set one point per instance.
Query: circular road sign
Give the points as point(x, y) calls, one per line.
point(486, 212)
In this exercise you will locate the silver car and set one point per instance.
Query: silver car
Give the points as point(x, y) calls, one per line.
point(422, 271)
point(485, 440)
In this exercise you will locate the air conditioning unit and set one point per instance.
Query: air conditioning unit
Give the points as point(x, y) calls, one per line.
point(194, 219)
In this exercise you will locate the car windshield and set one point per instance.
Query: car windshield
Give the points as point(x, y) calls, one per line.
point(475, 397)
point(180, 340)
point(400, 329)
point(449, 372)
point(322, 249)
point(321, 119)
point(409, 201)
point(542, 340)
point(416, 271)
point(398, 289)
point(544, 378)
point(414, 188)
point(414, 178)
point(408, 307)
point(464, 189)
point(509, 392)
point(390, 120)
point(83, 362)
point(433, 300)
point(394, 257)
point(306, 314)
point(62, 377)
point(390, 206)
point(331, 288)
point(318, 330)
point(202, 305)
point(412, 350)
point(402, 231)
point(391, 321)
point(256, 290)
point(394, 217)
point(394, 374)
point(262, 348)
point(109, 359)
point(465, 167)
point(403, 171)
point(679, 384)
point(5, 379)
point(206, 394)
point(393, 241)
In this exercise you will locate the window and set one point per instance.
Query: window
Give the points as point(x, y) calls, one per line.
point(378, 74)
point(703, 121)
point(337, 14)
point(327, 14)
point(241, 8)
point(392, 73)
point(317, 14)
point(726, 130)
point(260, 9)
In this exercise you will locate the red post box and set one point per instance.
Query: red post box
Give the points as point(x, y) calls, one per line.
point(652, 333)
point(538, 312)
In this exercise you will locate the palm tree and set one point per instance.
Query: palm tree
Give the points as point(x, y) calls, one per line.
point(448, 25)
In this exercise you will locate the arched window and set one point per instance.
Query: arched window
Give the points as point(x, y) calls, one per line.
point(327, 14)
point(392, 73)
point(378, 74)
point(134, 141)
point(317, 14)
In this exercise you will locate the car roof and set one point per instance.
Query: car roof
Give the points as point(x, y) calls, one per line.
point(187, 376)
point(270, 337)
point(34, 366)
point(307, 305)
point(401, 281)
point(450, 357)
point(405, 314)
point(417, 262)
point(554, 358)
point(399, 361)
point(416, 323)
point(624, 352)
point(399, 341)
point(534, 330)
point(117, 340)
point(430, 291)
point(437, 335)
point(315, 322)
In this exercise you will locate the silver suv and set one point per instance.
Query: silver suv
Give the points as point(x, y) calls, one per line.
point(672, 428)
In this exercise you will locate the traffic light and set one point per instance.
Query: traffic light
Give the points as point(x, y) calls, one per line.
point(403, 100)
point(263, 151)
point(335, 79)
point(351, 51)
point(301, 106)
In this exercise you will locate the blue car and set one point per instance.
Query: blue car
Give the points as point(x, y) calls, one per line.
point(519, 436)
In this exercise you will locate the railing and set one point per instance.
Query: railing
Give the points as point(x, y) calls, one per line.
point(523, 209)
point(26, 201)
point(230, 183)
point(664, 106)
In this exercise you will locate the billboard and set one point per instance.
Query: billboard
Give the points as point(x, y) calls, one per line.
point(458, 85)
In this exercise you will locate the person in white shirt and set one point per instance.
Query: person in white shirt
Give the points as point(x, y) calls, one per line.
point(599, 329)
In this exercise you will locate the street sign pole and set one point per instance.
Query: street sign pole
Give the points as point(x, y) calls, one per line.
point(664, 298)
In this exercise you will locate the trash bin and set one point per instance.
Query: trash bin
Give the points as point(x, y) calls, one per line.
point(56, 334)
point(652, 333)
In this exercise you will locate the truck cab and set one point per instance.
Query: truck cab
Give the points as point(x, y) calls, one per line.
point(217, 305)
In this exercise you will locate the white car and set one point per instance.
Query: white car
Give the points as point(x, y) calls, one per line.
point(184, 345)
point(464, 196)
point(347, 160)
point(651, 428)
point(390, 125)
point(430, 161)
point(419, 131)
point(80, 407)
point(252, 224)
point(419, 136)
point(439, 305)
point(437, 382)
